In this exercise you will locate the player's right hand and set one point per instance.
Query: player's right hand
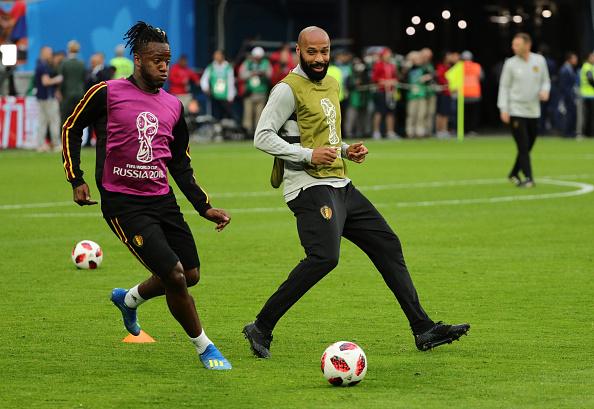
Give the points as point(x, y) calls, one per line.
point(218, 216)
point(82, 196)
point(505, 117)
point(323, 156)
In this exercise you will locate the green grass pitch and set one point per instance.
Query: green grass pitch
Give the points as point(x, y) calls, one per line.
point(517, 264)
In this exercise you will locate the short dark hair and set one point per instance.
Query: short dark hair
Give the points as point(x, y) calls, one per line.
point(569, 54)
point(141, 33)
point(524, 36)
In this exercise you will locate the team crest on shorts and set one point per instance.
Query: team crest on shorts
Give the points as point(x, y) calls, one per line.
point(326, 212)
point(138, 240)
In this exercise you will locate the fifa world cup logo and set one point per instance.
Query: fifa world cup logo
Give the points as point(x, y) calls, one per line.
point(330, 112)
point(147, 124)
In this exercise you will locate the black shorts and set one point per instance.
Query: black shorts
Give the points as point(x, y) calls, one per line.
point(444, 105)
point(384, 104)
point(157, 235)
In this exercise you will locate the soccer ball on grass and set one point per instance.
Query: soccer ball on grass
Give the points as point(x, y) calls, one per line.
point(344, 364)
point(87, 255)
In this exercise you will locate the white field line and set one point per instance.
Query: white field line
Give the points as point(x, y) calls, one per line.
point(226, 195)
point(34, 205)
point(582, 189)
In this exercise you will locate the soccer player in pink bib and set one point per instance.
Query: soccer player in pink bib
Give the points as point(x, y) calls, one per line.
point(141, 133)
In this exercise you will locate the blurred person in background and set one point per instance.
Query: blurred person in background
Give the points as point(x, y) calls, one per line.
point(343, 62)
point(430, 96)
point(181, 78)
point(73, 85)
point(97, 71)
point(58, 58)
point(218, 83)
point(444, 97)
point(124, 67)
point(13, 27)
point(383, 75)
point(356, 113)
point(473, 74)
point(282, 62)
point(568, 78)
point(524, 84)
point(49, 107)
point(587, 94)
point(416, 101)
point(256, 72)
point(335, 72)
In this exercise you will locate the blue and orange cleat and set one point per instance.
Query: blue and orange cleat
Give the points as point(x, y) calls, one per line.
point(213, 359)
point(128, 314)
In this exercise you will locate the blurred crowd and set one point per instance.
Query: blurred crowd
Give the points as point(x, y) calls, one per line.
point(61, 80)
point(383, 95)
point(390, 96)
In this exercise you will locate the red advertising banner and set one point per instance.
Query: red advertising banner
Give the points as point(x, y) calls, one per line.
point(18, 122)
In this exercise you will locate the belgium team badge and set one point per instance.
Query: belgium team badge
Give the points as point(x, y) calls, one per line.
point(138, 240)
point(326, 212)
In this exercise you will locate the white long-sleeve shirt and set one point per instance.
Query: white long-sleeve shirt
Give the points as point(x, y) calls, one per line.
point(520, 83)
point(275, 121)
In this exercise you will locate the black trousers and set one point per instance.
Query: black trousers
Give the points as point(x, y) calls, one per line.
point(222, 109)
point(325, 214)
point(588, 116)
point(524, 131)
point(472, 116)
point(570, 119)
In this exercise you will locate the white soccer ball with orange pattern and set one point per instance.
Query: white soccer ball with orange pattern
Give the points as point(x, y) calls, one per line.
point(344, 364)
point(87, 255)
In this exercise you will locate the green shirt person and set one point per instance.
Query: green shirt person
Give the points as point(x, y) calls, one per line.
point(124, 67)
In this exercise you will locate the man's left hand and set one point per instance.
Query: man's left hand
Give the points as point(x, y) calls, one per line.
point(218, 216)
point(357, 152)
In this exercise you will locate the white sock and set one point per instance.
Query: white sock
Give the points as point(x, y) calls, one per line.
point(133, 298)
point(201, 342)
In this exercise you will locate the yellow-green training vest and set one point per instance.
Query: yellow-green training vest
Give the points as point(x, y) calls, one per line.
point(317, 109)
point(586, 90)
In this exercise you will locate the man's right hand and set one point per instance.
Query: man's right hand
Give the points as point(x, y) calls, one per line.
point(323, 156)
point(505, 117)
point(82, 196)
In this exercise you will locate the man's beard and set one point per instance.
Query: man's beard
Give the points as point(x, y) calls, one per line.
point(313, 75)
point(154, 83)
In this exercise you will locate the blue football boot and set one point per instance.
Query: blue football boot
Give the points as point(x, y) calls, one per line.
point(128, 314)
point(213, 359)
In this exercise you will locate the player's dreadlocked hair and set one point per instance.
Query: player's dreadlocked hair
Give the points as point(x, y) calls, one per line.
point(140, 34)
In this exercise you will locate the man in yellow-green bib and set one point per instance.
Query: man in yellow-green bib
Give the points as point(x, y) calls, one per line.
point(300, 127)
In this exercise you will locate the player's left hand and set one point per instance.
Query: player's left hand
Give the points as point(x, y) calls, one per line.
point(357, 152)
point(218, 216)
